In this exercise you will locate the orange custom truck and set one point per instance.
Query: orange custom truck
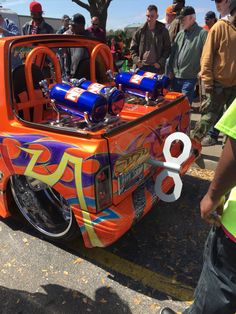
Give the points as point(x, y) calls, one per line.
point(82, 151)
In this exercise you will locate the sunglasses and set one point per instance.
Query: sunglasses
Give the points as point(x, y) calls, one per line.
point(218, 1)
point(95, 24)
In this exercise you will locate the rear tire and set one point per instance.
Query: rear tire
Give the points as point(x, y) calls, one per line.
point(43, 208)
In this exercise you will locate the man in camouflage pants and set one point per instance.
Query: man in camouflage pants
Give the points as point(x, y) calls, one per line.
point(212, 108)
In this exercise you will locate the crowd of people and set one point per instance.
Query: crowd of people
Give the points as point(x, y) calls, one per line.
point(189, 54)
point(207, 54)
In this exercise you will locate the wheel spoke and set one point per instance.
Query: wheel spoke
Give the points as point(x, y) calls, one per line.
point(44, 208)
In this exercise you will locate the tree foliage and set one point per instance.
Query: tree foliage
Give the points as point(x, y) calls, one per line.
point(97, 8)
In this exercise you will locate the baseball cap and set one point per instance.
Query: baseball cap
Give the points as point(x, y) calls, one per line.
point(65, 17)
point(170, 9)
point(210, 15)
point(185, 12)
point(35, 7)
point(77, 19)
point(178, 1)
point(232, 6)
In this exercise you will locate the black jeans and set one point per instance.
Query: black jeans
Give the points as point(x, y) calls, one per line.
point(216, 289)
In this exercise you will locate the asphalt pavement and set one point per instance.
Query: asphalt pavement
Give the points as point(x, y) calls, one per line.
point(157, 263)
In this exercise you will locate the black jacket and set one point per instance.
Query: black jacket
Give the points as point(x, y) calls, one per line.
point(43, 28)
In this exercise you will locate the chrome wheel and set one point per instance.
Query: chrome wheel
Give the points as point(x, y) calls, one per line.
point(44, 208)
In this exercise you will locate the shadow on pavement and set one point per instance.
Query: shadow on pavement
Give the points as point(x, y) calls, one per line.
point(57, 299)
point(168, 241)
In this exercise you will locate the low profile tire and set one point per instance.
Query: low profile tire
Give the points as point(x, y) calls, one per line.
point(43, 208)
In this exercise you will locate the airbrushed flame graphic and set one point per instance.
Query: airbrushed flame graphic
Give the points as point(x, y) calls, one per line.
point(53, 178)
point(154, 137)
point(48, 162)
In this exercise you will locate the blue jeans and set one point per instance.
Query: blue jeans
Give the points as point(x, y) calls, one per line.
point(185, 86)
point(216, 289)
